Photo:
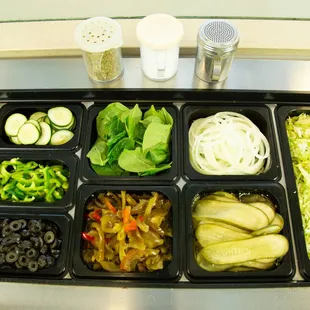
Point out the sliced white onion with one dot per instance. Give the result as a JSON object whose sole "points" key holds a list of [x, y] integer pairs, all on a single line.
{"points": [[228, 143]]}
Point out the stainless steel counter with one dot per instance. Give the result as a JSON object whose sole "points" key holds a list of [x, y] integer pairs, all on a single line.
{"points": [[65, 73]]}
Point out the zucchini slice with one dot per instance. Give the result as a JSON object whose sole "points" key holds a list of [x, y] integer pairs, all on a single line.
{"points": [[61, 137], [46, 133], [15, 140], [60, 116], [28, 134], [13, 124], [37, 115], [35, 123]]}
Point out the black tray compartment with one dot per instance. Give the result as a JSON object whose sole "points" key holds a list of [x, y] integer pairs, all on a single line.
{"points": [[260, 115], [27, 109], [79, 269], [50, 158], [60, 269], [170, 176], [194, 273]]}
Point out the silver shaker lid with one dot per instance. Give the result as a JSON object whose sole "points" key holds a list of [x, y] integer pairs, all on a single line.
{"points": [[218, 36]]}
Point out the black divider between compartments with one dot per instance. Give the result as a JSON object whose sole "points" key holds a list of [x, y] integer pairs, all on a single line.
{"points": [[170, 176], [282, 113], [172, 271], [260, 115], [60, 269], [63, 205], [194, 273], [27, 109]]}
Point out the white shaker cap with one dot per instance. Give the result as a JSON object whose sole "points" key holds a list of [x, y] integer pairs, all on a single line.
{"points": [[159, 31], [98, 34]]}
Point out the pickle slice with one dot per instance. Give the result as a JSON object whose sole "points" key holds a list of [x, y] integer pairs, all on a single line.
{"points": [[233, 252], [266, 208], [271, 229]]}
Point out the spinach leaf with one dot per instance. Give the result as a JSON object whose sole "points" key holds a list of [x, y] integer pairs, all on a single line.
{"points": [[116, 139], [162, 114], [134, 161], [116, 127], [105, 117], [98, 153], [139, 133], [160, 153], [155, 170], [165, 117], [109, 170], [155, 134], [151, 119], [125, 143], [132, 120]]}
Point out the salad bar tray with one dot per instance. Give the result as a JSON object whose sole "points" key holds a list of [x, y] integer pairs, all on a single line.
{"points": [[148, 192]]}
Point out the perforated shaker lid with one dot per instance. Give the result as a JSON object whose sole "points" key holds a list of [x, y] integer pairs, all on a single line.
{"points": [[159, 31], [98, 34]]}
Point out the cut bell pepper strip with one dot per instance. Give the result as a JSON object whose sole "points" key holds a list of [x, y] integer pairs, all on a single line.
{"points": [[130, 226], [95, 216], [123, 196], [100, 242], [126, 214], [87, 237], [109, 205]]}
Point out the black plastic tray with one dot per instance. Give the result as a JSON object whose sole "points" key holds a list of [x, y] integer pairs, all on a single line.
{"points": [[194, 273], [282, 113], [168, 176], [260, 115], [60, 269], [29, 108], [49, 157], [171, 272]]}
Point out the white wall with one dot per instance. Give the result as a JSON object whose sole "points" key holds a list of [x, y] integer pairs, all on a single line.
{"points": [[64, 9]]}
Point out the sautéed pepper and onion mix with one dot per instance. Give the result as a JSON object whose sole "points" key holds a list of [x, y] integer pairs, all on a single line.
{"points": [[128, 232]]}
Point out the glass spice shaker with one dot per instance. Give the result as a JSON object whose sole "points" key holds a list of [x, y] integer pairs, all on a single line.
{"points": [[100, 39]]}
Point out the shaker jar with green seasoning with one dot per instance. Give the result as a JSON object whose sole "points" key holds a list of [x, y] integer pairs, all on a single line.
{"points": [[100, 39]]}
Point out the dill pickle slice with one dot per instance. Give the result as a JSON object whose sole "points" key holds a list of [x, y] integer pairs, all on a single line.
{"points": [[271, 229], [233, 252], [278, 220], [266, 208], [197, 222], [233, 213], [208, 234]]}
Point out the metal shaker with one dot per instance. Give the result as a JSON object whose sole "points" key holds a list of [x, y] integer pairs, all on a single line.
{"points": [[217, 41]]}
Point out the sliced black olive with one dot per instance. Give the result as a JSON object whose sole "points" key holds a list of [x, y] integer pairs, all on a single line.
{"points": [[18, 265], [50, 261], [15, 237], [36, 227], [23, 223], [23, 261], [35, 241], [4, 223], [13, 247], [2, 258], [11, 257], [33, 266], [55, 253], [32, 253], [42, 261], [25, 233], [6, 231], [44, 249], [15, 225], [31, 223], [8, 240], [49, 237], [4, 248], [56, 244], [41, 242], [26, 244]]}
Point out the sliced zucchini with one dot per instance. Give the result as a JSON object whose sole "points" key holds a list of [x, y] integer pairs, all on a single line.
{"points": [[37, 115], [35, 123], [60, 116], [47, 120], [15, 140], [13, 124], [46, 133], [61, 137], [28, 134], [68, 127]]}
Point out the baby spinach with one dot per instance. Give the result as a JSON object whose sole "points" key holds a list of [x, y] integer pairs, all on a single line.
{"points": [[130, 142], [98, 153], [134, 161]]}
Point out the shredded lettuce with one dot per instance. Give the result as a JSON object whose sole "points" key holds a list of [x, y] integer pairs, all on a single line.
{"points": [[298, 131]]}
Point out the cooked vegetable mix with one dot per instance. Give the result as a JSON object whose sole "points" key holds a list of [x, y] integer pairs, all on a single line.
{"points": [[31, 181], [228, 143], [29, 244], [54, 127], [237, 232], [128, 232], [129, 142], [299, 141]]}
